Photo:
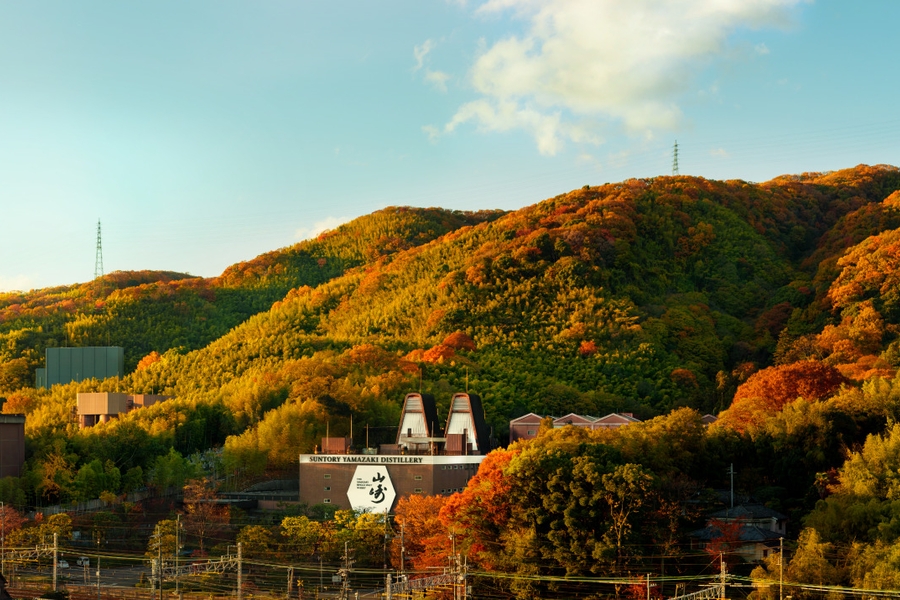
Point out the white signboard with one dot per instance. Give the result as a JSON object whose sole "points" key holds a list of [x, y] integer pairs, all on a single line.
{"points": [[371, 489]]}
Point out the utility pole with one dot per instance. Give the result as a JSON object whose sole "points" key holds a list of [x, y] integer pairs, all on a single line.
{"points": [[731, 473], [454, 566], [385, 551], [345, 573], [402, 552], [55, 557], [780, 568], [465, 580], [240, 574], [2, 539], [722, 560], [177, 550], [159, 565], [98, 578]]}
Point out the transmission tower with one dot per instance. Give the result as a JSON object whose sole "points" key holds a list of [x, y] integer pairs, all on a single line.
{"points": [[675, 159], [98, 261]]}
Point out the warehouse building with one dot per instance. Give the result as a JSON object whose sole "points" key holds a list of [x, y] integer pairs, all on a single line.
{"points": [[100, 407], [12, 445], [64, 365]]}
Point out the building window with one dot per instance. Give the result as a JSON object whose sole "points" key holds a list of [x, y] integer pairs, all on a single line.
{"points": [[532, 432], [418, 478], [418, 490], [326, 501], [327, 475], [327, 488]]}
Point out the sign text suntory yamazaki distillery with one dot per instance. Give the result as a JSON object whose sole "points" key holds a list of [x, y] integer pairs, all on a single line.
{"points": [[387, 459]]}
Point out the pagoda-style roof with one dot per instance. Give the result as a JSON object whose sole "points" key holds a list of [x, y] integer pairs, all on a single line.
{"points": [[418, 420]]}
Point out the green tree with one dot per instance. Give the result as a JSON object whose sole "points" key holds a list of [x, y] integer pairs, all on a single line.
{"points": [[162, 540], [301, 535], [256, 541], [625, 491], [810, 563]]}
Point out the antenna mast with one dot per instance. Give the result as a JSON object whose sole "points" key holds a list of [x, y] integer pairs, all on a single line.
{"points": [[98, 260], [675, 159]]}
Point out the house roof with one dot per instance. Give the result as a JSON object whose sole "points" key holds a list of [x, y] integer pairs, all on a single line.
{"points": [[618, 418], [529, 418], [749, 512], [573, 418], [749, 533]]}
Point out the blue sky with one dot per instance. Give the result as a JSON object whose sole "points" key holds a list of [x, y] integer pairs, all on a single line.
{"points": [[205, 133]]}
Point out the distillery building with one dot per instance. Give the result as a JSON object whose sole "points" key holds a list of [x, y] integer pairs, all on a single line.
{"points": [[425, 459]]}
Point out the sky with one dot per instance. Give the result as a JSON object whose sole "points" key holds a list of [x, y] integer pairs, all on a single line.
{"points": [[204, 133]]}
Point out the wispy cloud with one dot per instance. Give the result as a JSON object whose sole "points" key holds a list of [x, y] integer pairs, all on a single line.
{"points": [[438, 79], [600, 59], [421, 51], [719, 153], [308, 233], [432, 132]]}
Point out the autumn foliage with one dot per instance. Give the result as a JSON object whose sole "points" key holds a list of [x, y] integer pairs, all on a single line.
{"points": [[768, 391], [459, 341], [727, 539], [421, 538], [481, 511]]}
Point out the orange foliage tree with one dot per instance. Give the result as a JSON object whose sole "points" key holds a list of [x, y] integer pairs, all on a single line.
{"points": [[767, 391], [459, 341], [479, 514], [424, 542], [148, 360]]}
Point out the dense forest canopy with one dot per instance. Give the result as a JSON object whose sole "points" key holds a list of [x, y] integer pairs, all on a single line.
{"points": [[773, 305]]}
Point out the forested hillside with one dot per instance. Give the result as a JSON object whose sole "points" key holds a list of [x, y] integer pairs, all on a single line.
{"points": [[646, 296], [157, 311]]}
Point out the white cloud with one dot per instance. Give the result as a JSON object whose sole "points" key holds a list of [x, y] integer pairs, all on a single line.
{"points": [[607, 59], [421, 51], [437, 78], [761, 49], [502, 115], [308, 233], [719, 153]]}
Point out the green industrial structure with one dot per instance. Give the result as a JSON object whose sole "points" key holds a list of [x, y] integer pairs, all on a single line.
{"points": [[64, 365]]}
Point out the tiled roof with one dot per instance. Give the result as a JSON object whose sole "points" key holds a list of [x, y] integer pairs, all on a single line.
{"points": [[749, 533], [749, 512]]}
